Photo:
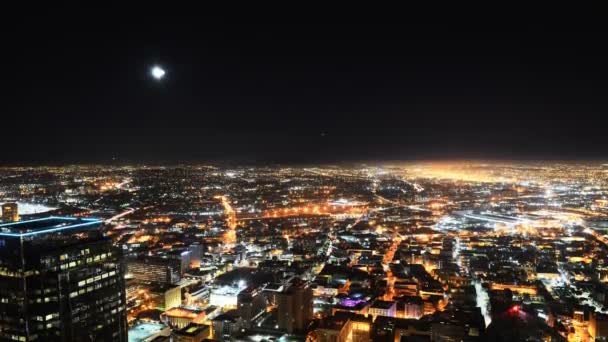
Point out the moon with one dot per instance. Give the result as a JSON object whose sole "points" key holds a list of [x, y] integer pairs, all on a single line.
{"points": [[157, 72]]}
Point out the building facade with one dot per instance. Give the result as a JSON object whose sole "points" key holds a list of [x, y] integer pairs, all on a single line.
{"points": [[294, 306], [60, 280], [154, 270], [10, 212]]}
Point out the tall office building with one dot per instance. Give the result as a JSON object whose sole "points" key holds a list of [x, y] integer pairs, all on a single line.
{"points": [[196, 252], [10, 212], [154, 269], [294, 305], [250, 303], [60, 280]]}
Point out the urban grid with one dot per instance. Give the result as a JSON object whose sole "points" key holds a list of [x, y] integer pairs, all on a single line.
{"points": [[454, 251]]}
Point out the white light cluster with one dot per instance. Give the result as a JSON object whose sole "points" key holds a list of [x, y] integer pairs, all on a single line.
{"points": [[157, 72]]}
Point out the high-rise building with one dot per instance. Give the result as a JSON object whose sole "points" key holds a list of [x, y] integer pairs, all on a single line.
{"points": [[10, 212], [154, 269], [61, 279], [167, 267], [294, 305], [196, 251], [250, 303]]}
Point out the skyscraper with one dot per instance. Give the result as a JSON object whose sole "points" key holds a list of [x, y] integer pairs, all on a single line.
{"points": [[154, 269], [60, 280], [295, 306], [10, 212]]}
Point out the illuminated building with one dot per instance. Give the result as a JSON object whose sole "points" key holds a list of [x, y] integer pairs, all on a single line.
{"points": [[225, 296], [344, 326], [523, 289], [61, 277], [167, 296], [353, 304], [196, 250], [383, 308], [184, 259], [321, 291], [413, 307], [148, 331], [181, 316], [154, 269], [10, 212]]}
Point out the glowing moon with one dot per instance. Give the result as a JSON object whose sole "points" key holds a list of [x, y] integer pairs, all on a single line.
{"points": [[157, 72]]}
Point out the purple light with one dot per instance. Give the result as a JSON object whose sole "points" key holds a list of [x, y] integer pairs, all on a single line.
{"points": [[351, 303]]}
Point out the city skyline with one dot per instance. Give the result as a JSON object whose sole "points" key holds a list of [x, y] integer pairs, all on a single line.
{"points": [[292, 177], [474, 251]]}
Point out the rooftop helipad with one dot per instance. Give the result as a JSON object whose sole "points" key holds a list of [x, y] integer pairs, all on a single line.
{"points": [[45, 225]]}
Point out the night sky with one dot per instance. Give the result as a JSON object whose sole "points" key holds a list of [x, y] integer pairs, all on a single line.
{"points": [[301, 90]]}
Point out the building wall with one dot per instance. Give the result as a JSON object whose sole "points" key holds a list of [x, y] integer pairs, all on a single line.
{"points": [[413, 311], [598, 326], [250, 305], [332, 335], [173, 297], [360, 331], [151, 271], [294, 308], [67, 288], [390, 312], [222, 329]]}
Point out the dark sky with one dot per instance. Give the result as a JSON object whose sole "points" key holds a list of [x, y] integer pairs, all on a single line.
{"points": [[301, 89]]}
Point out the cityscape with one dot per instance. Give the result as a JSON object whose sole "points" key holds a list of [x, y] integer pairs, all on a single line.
{"points": [[284, 175], [412, 251]]}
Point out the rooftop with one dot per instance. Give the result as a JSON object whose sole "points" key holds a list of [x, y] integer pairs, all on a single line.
{"points": [[192, 329], [144, 330], [382, 304], [182, 312], [46, 225], [226, 290]]}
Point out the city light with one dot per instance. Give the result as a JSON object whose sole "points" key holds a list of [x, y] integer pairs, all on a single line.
{"points": [[263, 243], [332, 178]]}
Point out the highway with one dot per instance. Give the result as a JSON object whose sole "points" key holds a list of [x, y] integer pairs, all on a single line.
{"points": [[124, 213], [230, 236]]}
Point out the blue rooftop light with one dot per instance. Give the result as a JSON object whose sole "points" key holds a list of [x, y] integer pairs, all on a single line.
{"points": [[83, 222]]}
